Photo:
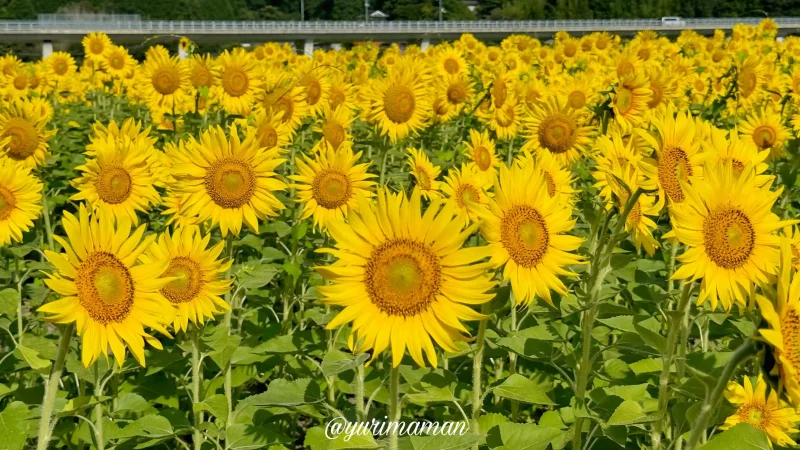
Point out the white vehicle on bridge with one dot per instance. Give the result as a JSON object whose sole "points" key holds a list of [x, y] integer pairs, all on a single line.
{"points": [[672, 21]]}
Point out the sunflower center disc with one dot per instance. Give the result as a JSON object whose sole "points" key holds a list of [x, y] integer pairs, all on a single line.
{"points": [[235, 82], [451, 66], [201, 77], [729, 238], [24, 138], [166, 80], [105, 287], [117, 62], [331, 189], [482, 158], [748, 81], [499, 93], [334, 133], [399, 103], [230, 183], [764, 137], [269, 136], [468, 194], [505, 117], [524, 235], [7, 203], [61, 67], [423, 179], [624, 100], [658, 93], [336, 98], [97, 47], [402, 277], [114, 185], [674, 167], [313, 91], [187, 283], [557, 133], [20, 82], [550, 183], [577, 100], [456, 94]]}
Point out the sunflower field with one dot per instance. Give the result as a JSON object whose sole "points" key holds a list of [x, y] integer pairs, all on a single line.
{"points": [[588, 243]]}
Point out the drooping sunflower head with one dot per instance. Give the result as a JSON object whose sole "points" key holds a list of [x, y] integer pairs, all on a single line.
{"points": [[403, 277], [424, 172], [465, 190], [559, 129], [765, 128], [20, 200], [623, 183], [96, 45], [23, 133], [105, 288], [332, 184]]}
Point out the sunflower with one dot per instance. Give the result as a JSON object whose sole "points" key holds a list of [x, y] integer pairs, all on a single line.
{"points": [[118, 62], [630, 99], [400, 103], [766, 131], [726, 223], [168, 80], [679, 156], [238, 81], [578, 92], [750, 78], [203, 69], [506, 120], [663, 87], [342, 92], [20, 200], [465, 191], [229, 181], [766, 412], [316, 85], [331, 185], [450, 61], [740, 152], [23, 133], [480, 150], [403, 277], [118, 179], [458, 90], [614, 150], [559, 129], [557, 179], [334, 127], [425, 173], [197, 275], [623, 183], [524, 227], [96, 45], [106, 289], [283, 96], [270, 130]]}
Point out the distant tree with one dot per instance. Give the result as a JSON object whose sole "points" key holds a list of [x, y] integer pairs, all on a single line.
{"points": [[347, 10], [456, 10], [19, 9]]}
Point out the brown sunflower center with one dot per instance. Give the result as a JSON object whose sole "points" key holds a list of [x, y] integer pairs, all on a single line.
{"points": [[557, 133], [747, 82], [20, 82], [423, 179], [623, 100], [550, 182], [790, 329], [399, 103], [60, 67], [235, 82], [765, 136], [113, 185], [230, 182], [499, 93], [505, 117], [441, 107], [755, 413], [729, 238], [402, 277], [456, 93], [336, 97], [313, 90], [24, 138], [201, 76], [658, 94], [625, 68], [334, 133], [467, 194], [117, 61], [482, 158], [7, 203], [166, 80], [673, 167], [570, 49], [97, 47], [105, 287], [331, 188], [576, 100], [451, 66], [524, 235], [188, 280], [269, 136]]}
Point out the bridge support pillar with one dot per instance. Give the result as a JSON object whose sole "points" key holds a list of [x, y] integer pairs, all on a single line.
{"points": [[426, 42], [336, 46], [308, 47], [47, 49], [182, 54]]}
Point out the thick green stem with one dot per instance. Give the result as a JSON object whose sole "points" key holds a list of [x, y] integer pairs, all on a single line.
{"points": [[510, 155], [100, 441], [394, 406], [48, 228], [512, 357], [382, 179], [227, 385], [663, 382], [477, 368], [46, 423], [360, 392], [197, 436], [587, 323], [746, 350]]}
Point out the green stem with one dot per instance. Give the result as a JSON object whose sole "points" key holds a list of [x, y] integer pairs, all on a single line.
{"points": [[360, 392], [663, 385], [197, 436], [672, 258], [477, 368], [512, 357], [394, 406], [510, 156], [382, 179], [100, 442], [228, 315], [19, 282], [746, 350], [46, 424], [47, 226]]}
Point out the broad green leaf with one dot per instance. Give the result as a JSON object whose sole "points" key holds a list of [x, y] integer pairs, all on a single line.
{"points": [[519, 387], [316, 438], [518, 436], [280, 344], [9, 301], [150, 426], [248, 437], [551, 419], [33, 359], [336, 361], [282, 392], [14, 425], [651, 365], [636, 392], [444, 442], [652, 338], [76, 404], [630, 412], [624, 323], [216, 404], [131, 402], [742, 436]]}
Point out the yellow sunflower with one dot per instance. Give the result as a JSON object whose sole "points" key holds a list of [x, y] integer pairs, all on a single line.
{"points": [[404, 277], [630, 99], [480, 150], [425, 173], [313, 79], [400, 102], [623, 183], [168, 81], [766, 131], [559, 129], [334, 127], [766, 412], [451, 62], [465, 191], [331, 185], [283, 96], [197, 273], [614, 150], [238, 81], [106, 289], [20, 200], [727, 225], [23, 133], [203, 70], [270, 130], [118, 62], [525, 230], [229, 181], [458, 90], [740, 152], [118, 179], [557, 179], [96, 45], [505, 121]]}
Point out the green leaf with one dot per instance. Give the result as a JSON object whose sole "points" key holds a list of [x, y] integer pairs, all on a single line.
{"points": [[630, 412], [280, 344], [247, 437], [316, 439], [131, 402], [444, 442], [518, 436], [282, 392], [31, 357], [216, 404], [636, 392], [651, 338], [651, 365], [76, 404], [9, 302], [624, 323], [336, 361], [14, 425], [742, 436], [520, 388], [151, 426]]}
